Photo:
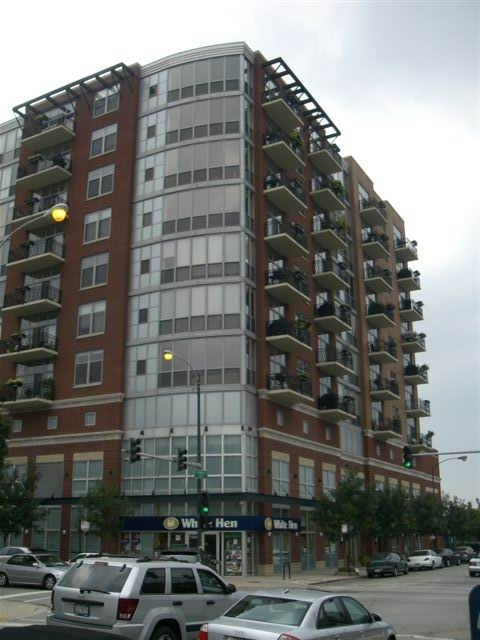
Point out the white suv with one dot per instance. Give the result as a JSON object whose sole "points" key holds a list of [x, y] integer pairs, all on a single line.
{"points": [[140, 599], [474, 566]]}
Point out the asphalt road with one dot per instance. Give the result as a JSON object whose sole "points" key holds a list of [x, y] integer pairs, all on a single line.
{"points": [[429, 605]]}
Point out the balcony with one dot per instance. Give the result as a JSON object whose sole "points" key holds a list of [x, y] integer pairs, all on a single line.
{"points": [[31, 300], [30, 214], [333, 361], [328, 194], [34, 256], [330, 275], [413, 342], [410, 311], [325, 156], [328, 235], [333, 408], [42, 172], [333, 318], [380, 315], [16, 396], [377, 280], [284, 150], [372, 212], [31, 346], [408, 280], [382, 351], [414, 374], [375, 244], [287, 286], [418, 409], [289, 337], [44, 132], [390, 429], [282, 108], [288, 390], [384, 389], [405, 250], [286, 194], [285, 238], [421, 443]]}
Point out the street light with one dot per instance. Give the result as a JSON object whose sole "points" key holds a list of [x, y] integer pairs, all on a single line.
{"points": [[437, 465], [168, 356], [58, 213]]}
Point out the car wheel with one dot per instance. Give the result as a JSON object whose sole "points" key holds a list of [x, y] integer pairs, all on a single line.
{"points": [[394, 572], [432, 566], [3, 580], [49, 582], [447, 562], [164, 632], [405, 571]]}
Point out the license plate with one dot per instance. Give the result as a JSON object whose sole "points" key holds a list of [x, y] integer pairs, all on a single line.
{"points": [[81, 610], [378, 571]]}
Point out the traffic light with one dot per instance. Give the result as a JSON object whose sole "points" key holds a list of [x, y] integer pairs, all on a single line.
{"points": [[407, 457], [135, 449], [181, 459], [204, 506]]}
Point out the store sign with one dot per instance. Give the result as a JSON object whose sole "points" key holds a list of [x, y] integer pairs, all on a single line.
{"points": [[215, 523]]}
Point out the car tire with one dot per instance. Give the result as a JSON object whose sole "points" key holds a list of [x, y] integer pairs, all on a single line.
{"points": [[394, 572], [164, 632], [447, 562], [432, 566], [405, 571], [3, 580], [49, 582]]}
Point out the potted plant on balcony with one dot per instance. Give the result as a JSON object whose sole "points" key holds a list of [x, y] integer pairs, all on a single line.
{"points": [[295, 139], [337, 187], [47, 386], [411, 369], [14, 382]]}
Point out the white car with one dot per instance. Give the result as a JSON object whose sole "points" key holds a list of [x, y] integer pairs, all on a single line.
{"points": [[474, 566], [424, 559]]}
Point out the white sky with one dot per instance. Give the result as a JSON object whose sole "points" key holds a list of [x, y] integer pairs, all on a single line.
{"points": [[401, 81]]}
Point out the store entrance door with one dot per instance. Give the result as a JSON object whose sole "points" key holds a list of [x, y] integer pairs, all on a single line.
{"points": [[211, 546]]}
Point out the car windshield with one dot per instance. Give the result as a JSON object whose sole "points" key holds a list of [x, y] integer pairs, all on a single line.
{"points": [[269, 609], [51, 561]]}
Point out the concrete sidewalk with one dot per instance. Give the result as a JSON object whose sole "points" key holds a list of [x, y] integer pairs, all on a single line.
{"points": [[305, 579]]}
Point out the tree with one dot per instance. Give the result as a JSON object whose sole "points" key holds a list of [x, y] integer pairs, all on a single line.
{"points": [[4, 435], [105, 510], [18, 508]]}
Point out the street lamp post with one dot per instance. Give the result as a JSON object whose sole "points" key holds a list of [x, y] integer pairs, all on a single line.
{"points": [[437, 465], [58, 213], [168, 356]]}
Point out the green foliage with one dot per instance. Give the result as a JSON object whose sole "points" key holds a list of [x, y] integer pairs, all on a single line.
{"points": [[18, 507], [4, 435], [105, 510]]}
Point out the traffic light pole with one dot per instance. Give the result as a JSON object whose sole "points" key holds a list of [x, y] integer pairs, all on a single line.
{"points": [[199, 461]]}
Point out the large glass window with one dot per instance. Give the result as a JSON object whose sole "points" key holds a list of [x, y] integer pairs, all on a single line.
{"points": [[103, 140], [280, 475], [97, 225], [88, 368], [86, 474], [91, 318], [100, 181], [105, 101], [94, 270]]}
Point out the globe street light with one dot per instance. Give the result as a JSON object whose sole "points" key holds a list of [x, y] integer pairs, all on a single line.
{"points": [[168, 356], [58, 213], [437, 465]]}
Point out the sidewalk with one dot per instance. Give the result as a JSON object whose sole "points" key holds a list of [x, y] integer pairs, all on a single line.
{"points": [[313, 579]]}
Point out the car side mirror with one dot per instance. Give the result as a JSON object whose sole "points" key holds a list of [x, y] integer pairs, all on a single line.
{"points": [[376, 617], [35, 564], [231, 588]]}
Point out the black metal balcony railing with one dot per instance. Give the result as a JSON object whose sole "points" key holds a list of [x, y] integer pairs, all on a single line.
{"points": [[279, 179], [275, 227], [324, 182], [384, 384], [331, 309], [370, 236], [37, 205], [282, 276], [13, 392], [424, 439], [374, 308], [281, 327], [412, 369], [365, 203], [334, 401], [377, 272], [383, 345], [413, 336], [300, 384], [45, 123], [331, 354], [32, 293], [320, 223], [389, 424], [319, 145], [405, 243], [294, 142], [321, 265], [30, 249], [418, 405], [30, 339], [274, 93], [407, 304], [408, 273], [42, 164]]}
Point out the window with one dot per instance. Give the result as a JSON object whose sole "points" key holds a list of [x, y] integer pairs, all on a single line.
{"points": [[210, 583], [145, 266], [90, 419], [103, 140], [154, 581], [52, 422], [94, 270], [141, 367], [91, 318], [100, 181], [97, 225], [16, 425], [88, 367], [280, 477], [183, 581], [142, 316], [306, 481], [105, 101], [86, 474]]}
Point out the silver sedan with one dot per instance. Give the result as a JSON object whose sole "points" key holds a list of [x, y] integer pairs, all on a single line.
{"points": [[43, 570], [304, 614]]}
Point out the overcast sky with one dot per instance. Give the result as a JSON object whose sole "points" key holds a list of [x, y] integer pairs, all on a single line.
{"points": [[401, 81]]}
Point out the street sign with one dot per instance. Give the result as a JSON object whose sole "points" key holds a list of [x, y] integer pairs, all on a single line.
{"points": [[200, 473]]}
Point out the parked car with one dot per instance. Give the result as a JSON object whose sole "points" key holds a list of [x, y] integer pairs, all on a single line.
{"points": [[6, 552], [449, 557], [424, 559], [303, 614], [474, 566], [465, 553], [42, 570], [92, 554], [386, 564], [189, 554], [137, 598]]}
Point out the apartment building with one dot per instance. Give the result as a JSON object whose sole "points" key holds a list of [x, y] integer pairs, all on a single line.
{"points": [[211, 215]]}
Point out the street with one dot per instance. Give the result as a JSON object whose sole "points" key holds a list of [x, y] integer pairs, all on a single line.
{"points": [[425, 604]]}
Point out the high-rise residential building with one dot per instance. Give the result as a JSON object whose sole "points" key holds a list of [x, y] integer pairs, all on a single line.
{"points": [[212, 216]]}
